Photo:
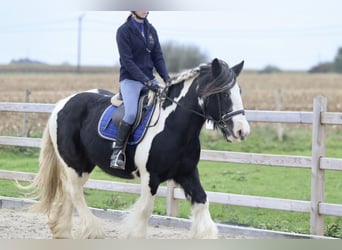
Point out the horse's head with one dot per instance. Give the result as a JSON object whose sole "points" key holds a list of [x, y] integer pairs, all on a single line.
{"points": [[221, 99]]}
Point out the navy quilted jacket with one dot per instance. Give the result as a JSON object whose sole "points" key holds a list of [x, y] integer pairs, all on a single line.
{"points": [[138, 54]]}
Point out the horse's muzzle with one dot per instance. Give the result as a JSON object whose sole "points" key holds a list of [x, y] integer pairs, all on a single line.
{"points": [[239, 130]]}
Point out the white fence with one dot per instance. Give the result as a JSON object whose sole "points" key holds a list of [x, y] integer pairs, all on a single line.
{"points": [[318, 163]]}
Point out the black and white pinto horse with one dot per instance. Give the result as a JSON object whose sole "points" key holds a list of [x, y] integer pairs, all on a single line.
{"points": [[170, 150]]}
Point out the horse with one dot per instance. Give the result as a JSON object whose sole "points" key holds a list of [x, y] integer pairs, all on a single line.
{"points": [[170, 150]]}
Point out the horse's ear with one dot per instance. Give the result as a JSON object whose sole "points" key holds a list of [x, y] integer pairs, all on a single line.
{"points": [[215, 67], [237, 68]]}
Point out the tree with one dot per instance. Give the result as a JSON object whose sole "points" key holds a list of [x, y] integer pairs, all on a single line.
{"points": [[326, 67], [179, 57], [270, 69], [338, 61]]}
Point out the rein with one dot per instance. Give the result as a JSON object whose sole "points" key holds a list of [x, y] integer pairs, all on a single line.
{"points": [[162, 95], [223, 118]]}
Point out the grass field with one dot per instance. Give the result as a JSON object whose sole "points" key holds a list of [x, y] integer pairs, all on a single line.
{"points": [[230, 178], [297, 92]]}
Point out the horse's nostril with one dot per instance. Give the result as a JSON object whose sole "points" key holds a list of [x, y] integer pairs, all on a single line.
{"points": [[241, 134]]}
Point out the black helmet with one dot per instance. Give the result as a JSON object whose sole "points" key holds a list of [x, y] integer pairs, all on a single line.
{"points": [[137, 16]]}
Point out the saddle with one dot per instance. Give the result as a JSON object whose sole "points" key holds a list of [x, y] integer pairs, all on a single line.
{"points": [[113, 114]]}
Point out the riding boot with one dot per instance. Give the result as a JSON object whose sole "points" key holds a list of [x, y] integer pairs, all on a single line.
{"points": [[118, 157]]}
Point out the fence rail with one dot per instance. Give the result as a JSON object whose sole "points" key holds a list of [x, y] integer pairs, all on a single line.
{"points": [[318, 163]]}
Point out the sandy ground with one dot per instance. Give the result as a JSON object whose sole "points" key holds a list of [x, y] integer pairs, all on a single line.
{"points": [[21, 224]]}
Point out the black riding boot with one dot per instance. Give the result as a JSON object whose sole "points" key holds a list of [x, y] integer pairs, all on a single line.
{"points": [[118, 158]]}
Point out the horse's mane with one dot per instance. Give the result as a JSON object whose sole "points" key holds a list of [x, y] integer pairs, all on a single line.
{"points": [[210, 86], [186, 75]]}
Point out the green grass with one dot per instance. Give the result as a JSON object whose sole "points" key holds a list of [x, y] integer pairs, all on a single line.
{"points": [[288, 183]]}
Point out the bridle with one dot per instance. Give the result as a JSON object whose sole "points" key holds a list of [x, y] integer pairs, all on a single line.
{"points": [[224, 118]]}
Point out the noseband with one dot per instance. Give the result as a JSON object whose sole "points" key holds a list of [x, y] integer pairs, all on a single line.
{"points": [[228, 116]]}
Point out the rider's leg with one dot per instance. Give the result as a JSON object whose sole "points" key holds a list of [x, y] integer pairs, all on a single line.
{"points": [[130, 91]]}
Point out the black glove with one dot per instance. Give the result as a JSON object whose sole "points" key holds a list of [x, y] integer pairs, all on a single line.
{"points": [[151, 86], [168, 81]]}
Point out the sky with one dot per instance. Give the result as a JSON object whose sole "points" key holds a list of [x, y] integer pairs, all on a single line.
{"points": [[291, 35]]}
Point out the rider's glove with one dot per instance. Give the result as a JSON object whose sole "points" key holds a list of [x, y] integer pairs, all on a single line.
{"points": [[151, 86]]}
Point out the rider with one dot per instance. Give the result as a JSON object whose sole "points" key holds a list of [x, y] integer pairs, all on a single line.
{"points": [[140, 52]]}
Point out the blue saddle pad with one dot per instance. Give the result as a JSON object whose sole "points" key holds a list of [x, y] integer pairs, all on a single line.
{"points": [[108, 130]]}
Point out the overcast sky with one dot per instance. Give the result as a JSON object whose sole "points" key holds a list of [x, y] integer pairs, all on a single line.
{"points": [[292, 34]]}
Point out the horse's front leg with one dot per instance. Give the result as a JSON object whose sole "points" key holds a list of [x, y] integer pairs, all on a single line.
{"points": [[203, 227], [135, 223]]}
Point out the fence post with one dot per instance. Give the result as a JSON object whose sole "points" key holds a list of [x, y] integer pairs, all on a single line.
{"points": [[277, 96], [25, 132], [171, 202], [317, 174]]}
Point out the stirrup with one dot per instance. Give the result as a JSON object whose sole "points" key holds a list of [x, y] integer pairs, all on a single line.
{"points": [[117, 163]]}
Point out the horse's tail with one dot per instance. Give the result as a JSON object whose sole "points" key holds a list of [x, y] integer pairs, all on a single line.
{"points": [[47, 185]]}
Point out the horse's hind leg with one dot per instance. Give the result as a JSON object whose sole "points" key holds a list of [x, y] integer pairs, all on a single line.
{"points": [[60, 218], [91, 226]]}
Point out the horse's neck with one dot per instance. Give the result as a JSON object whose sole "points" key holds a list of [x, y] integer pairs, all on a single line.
{"points": [[188, 108]]}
